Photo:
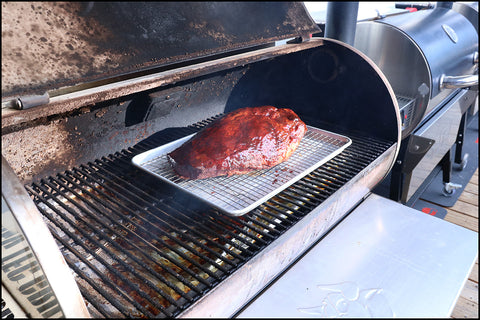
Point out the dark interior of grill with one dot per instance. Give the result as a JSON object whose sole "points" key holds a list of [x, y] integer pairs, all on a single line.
{"points": [[141, 248]]}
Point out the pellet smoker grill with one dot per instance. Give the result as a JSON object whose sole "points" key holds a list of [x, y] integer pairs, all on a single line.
{"points": [[88, 86], [430, 57]]}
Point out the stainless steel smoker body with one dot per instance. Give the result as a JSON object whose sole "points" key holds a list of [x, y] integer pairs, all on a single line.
{"points": [[431, 60], [87, 86]]}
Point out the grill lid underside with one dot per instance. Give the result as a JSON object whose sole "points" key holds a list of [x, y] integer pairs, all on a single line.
{"points": [[59, 44]]}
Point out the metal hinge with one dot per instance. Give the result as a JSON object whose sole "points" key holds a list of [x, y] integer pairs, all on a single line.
{"points": [[300, 39], [26, 102]]}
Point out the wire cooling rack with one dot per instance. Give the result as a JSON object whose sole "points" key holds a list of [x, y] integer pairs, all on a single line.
{"points": [[238, 194]]}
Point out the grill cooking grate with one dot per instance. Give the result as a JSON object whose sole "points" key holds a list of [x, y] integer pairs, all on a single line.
{"points": [[140, 248]]}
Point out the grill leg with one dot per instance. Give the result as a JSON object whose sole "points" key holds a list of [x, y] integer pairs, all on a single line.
{"points": [[448, 186], [446, 164], [459, 143], [399, 184]]}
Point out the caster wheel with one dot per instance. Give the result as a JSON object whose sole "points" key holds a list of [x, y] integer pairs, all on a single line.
{"points": [[448, 192], [449, 188]]}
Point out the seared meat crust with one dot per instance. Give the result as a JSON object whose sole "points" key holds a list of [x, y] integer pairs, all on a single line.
{"points": [[241, 141]]}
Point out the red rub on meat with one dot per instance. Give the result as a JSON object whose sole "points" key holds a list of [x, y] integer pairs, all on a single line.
{"points": [[241, 141]]}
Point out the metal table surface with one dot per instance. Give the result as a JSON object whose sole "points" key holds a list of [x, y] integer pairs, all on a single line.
{"points": [[383, 260]]}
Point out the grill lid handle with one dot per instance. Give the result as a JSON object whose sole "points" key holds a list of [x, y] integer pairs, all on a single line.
{"points": [[454, 82]]}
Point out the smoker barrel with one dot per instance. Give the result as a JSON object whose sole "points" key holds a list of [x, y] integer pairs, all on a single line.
{"points": [[431, 59]]}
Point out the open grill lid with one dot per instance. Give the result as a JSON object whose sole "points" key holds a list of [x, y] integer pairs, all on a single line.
{"points": [[51, 45]]}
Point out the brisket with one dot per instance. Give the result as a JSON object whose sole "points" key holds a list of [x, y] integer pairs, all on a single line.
{"points": [[241, 141]]}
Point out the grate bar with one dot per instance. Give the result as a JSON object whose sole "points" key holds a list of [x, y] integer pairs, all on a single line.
{"points": [[334, 175], [326, 178], [317, 184], [202, 225], [107, 250], [83, 245], [174, 239], [260, 231], [240, 226], [205, 236], [269, 220], [94, 285], [142, 239], [262, 227], [285, 217], [153, 199], [288, 203], [178, 264], [289, 196], [157, 229], [267, 206], [181, 254], [217, 227], [116, 233]]}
